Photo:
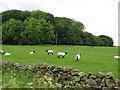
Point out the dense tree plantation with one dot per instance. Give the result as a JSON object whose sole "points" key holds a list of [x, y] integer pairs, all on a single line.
{"points": [[38, 27]]}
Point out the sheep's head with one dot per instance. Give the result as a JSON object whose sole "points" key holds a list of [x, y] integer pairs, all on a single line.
{"points": [[34, 51], [46, 50], [1, 52], [66, 53]]}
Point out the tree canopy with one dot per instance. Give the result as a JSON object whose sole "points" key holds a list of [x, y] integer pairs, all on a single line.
{"points": [[38, 27]]}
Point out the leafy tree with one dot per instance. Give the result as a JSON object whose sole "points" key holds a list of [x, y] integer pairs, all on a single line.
{"points": [[87, 38], [6, 15], [67, 29], [40, 14], [11, 31], [77, 32], [16, 14], [38, 27], [37, 32], [49, 18], [100, 42], [106, 40], [25, 14], [47, 33]]}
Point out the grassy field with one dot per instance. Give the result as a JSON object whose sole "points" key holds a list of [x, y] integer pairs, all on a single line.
{"points": [[93, 59]]}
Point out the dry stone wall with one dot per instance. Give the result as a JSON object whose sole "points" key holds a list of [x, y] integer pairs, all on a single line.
{"points": [[69, 76]]}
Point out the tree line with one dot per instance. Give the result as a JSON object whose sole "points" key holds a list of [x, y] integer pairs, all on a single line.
{"points": [[38, 27]]}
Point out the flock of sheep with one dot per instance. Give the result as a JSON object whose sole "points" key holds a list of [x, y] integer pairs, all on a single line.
{"points": [[60, 54]]}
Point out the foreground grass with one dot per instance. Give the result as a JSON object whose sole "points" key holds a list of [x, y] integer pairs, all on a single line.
{"points": [[93, 59], [22, 79]]}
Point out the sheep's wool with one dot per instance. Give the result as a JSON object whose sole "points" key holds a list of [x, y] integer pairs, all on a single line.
{"points": [[50, 51], [6, 54], [77, 57], [117, 57], [61, 54], [31, 53], [1, 51]]}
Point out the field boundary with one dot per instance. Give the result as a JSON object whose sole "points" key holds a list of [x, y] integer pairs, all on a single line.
{"points": [[64, 75]]}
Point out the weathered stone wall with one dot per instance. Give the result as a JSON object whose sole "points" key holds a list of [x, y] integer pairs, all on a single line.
{"points": [[65, 75]]}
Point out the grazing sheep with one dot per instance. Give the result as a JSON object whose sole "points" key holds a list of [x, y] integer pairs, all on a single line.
{"points": [[61, 54], [49, 51], [117, 57], [1, 52], [77, 57], [7, 54], [33, 52]]}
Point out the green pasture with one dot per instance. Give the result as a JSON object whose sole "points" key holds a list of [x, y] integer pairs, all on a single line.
{"points": [[93, 59]]}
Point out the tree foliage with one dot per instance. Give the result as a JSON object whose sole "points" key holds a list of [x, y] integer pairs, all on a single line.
{"points": [[16, 14], [37, 32], [38, 27], [68, 31], [106, 40], [11, 31]]}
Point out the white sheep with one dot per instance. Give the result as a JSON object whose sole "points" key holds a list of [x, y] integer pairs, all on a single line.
{"points": [[7, 54], [49, 51], [117, 57], [61, 54], [77, 57], [33, 52], [1, 52]]}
